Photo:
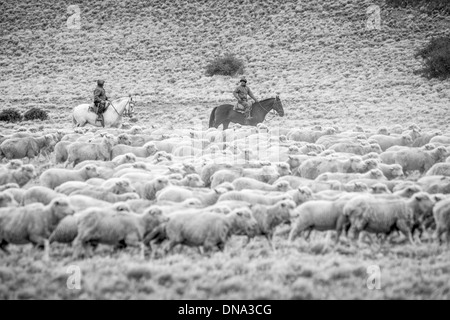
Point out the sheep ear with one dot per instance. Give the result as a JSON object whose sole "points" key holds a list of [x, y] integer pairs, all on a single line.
{"points": [[239, 213]]}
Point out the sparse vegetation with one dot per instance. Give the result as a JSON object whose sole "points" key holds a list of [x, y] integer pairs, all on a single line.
{"points": [[10, 115], [436, 56], [35, 114], [430, 6], [315, 53], [228, 65]]}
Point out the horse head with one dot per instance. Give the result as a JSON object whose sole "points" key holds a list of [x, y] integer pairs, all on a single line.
{"points": [[129, 108], [278, 106]]}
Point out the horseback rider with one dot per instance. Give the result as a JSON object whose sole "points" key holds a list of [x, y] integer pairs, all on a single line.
{"points": [[100, 99], [241, 93]]}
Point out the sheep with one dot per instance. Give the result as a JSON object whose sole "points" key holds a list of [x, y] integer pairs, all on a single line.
{"points": [[179, 194], [407, 190], [29, 147], [294, 161], [248, 183], [443, 140], [67, 230], [252, 198], [206, 229], [313, 167], [269, 217], [267, 174], [53, 178], [435, 184], [80, 151], [11, 165], [191, 180], [61, 153], [9, 186], [116, 186], [355, 186], [107, 196], [32, 224], [391, 171], [374, 215], [441, 214], [380, 188], [169, 207], [321, 215], [225, 175], [310, 136], [7, 200], [415, 159], [210, 169], [356, 148], [386, 142], [40, 194], [375, 174], [20, 176], [425, 138], [118, 230], [148, 190], [439, 169], [149, 149]]}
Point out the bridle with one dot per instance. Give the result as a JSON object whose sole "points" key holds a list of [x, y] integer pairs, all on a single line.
{"points": [[127, 112], [271, 108]]}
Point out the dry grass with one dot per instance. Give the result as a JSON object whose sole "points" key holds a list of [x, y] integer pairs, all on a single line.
{"points": [[317, 55]]}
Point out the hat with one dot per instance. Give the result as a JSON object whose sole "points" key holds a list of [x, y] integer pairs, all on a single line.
{"points": [[243, 80], [100, 82]]}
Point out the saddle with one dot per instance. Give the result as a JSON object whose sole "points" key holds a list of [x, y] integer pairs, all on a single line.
{"points": [[240, 108], [99, 112]]}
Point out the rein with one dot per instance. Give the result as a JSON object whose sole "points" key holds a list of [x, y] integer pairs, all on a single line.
{"points": [[125, 113], [267, 111]]}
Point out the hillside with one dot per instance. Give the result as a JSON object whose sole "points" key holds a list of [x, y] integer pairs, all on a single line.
{"points": [[317, 54]]}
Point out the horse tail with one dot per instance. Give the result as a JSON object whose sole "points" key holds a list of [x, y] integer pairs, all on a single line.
{"points": [[212, 118]]}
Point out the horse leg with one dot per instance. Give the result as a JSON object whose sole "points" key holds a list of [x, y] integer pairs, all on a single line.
{"points": [[226, 123]]}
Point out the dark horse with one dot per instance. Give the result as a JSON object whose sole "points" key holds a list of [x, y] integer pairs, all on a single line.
{"points": [[225, 114]]}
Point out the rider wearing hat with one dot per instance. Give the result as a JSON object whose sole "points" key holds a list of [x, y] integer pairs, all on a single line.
{"points": [[100, 99], [241, 93]]}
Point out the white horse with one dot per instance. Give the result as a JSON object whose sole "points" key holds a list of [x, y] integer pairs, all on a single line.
{"points": [[112, 116]]}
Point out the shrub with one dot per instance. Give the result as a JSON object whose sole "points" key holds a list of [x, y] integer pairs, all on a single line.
{"points": [[429, 6], [227, 65], [10, 115], [35, 113], [436, 56]]}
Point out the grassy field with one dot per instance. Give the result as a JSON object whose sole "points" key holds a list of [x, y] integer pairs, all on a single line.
{"points": [[318, 55]]}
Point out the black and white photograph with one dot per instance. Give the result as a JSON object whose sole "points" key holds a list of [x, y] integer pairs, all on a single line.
{"points": [[240, 151]]}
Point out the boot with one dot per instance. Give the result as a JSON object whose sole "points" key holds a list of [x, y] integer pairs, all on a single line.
{"points": [[248, 117], [102, 120]]}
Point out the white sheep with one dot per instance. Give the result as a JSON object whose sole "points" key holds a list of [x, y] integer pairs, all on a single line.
{"points": [[32, 224], [375, 215], [118, 230], [81, 151], [180, 194], [206, 229], [39, 194], [147, 150], [269, 217], [7, 200], [441, 213], [20, 176], [319, 215], [54, 177], [67, 229]]}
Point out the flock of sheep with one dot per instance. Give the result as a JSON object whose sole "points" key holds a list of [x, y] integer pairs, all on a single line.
{"points": [[147, 187]]}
